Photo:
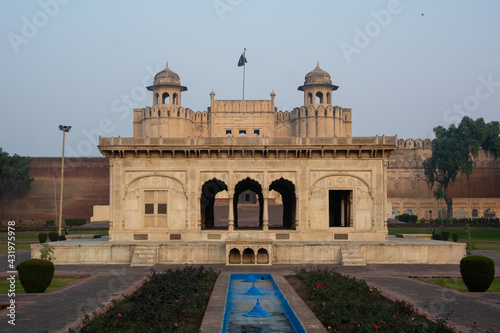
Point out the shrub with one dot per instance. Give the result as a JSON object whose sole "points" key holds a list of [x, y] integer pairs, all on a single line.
{"points": [[445, 235], [50, 223], [42, 237], [407, 218], [478, 272], [62, 238], [75, 222], [437, 237], [454, 236], [53, 236], [35, 275], [46, 252]]}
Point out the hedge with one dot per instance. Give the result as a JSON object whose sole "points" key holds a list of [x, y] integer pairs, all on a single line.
{"points": [[75, 222]]}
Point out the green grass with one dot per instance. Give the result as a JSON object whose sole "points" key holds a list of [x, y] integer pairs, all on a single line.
{"points": [[56, 283], [478, 233], [32, 236], [458, 284]]}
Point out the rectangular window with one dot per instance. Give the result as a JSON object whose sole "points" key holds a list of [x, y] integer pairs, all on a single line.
{"points": [[228, 133], [243, 133], [256, 132], [149, 208], [162, 208], [340, 208]]}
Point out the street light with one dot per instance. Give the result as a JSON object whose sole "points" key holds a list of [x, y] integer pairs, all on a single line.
{"points": [[64, 129]]}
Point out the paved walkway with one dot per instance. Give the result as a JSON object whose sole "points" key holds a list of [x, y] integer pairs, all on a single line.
{"points": [[57, 310]]}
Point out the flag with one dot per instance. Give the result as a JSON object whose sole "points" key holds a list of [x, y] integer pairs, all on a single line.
{"points": [[242, 60]]}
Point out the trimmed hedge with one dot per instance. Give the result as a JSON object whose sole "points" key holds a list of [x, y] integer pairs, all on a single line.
{"points": [[478, 272], [454, 237], [53, 236], [35, 275], [75, 222], [42, 237], [62, 238], [437, 237], [445, 235], [407, 218], [50, 223], [480, 221]]}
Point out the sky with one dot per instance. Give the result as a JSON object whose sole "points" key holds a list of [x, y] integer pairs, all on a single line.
{"points": [[404, 67]]}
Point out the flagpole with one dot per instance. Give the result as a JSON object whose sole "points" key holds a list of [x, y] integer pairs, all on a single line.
{"points": [[244, 58]]}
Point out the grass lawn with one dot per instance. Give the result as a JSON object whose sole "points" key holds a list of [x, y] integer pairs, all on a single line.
{"points": [[478, 233], [458, 284], [32, 236], [56, 283]]}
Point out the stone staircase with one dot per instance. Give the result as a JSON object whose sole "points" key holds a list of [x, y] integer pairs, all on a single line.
{"points": [[352, 256], [144, 256]]}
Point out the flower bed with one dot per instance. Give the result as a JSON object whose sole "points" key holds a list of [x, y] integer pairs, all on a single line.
{"points": [[346, 304], [174, 300]]}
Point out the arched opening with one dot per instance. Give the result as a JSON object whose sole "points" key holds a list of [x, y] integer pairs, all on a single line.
{"points": [[213, 214], [234, 256], [410, 211], [329, 98], [287, 191], [475, 213], [248, 256], [165, 98], [395, 212], [319, 97], [460, 214], [262, 256], [249, 213], [309, 98], [489, 213], [442, 213], [175, 99], [156, 99]]}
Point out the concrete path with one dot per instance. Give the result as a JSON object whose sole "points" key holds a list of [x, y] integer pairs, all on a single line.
{"points": [[57, 310]]}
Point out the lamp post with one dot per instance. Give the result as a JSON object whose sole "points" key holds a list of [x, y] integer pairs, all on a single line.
{"points": [[64, 129]]}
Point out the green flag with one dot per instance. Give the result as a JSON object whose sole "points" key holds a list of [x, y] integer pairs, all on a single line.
{"points": [[242, 60]]}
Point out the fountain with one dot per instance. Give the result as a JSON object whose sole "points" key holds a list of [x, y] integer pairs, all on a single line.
{"points": [[254, 303]]}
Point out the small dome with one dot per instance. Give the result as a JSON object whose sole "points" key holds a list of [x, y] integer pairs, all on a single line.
{"points": [[318, 76], [167, 77]]}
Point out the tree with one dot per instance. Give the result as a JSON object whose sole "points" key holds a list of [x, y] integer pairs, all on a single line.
{"points": [[14, 177], [453, 153]]}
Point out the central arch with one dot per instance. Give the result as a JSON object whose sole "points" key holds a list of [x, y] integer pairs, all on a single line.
{"points": [[208, 192], [242, 186], [287, 191]]}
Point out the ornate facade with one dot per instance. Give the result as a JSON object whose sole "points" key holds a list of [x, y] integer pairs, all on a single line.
{"points": [[244, 183]]}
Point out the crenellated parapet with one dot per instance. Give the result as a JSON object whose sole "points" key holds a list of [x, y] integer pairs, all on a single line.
{"points": [[414, 143]]}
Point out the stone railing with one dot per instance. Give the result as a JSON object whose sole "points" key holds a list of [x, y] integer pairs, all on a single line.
{"points": [[249, 141]]}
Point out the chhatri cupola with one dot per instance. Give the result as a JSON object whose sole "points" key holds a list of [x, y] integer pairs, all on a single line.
{"points": [[167, 88], [318, 88]]}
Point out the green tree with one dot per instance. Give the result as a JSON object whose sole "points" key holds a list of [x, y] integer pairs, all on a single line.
{"points": [[14, 177], [453, 153]]}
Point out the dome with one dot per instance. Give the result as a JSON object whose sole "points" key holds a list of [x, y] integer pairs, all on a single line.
{"points": [[318, 76], [167, 77]]}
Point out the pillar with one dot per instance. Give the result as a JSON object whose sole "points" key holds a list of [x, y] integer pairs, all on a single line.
{"points": [[265, 213], [231, 214]]}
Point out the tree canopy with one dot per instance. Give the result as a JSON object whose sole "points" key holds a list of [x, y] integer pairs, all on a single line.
{"points": [[454, 150], [14, 177]]}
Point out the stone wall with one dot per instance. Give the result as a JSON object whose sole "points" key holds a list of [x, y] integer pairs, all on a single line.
{"points": [[86, 183]]}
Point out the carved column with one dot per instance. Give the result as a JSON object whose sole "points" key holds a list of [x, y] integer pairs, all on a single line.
{"points": [[231, 214], [265, 213]]}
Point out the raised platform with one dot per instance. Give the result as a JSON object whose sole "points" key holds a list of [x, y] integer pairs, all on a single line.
{"points": [[394, 251]]}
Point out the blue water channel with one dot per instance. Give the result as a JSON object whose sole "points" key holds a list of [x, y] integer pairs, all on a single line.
{"points": [[255, 304]]}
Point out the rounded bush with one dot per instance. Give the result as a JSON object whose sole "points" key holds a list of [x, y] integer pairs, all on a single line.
{"points": [[35, 275], [42, 237], [478, 272], [62, 238], [53, 236], [445, 235], [437, 237], [455, 237]]}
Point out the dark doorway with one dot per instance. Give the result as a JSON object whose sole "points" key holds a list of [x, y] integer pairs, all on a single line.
{"points": [[250, 218], [208, 192], [340, 208], [287, 191]]}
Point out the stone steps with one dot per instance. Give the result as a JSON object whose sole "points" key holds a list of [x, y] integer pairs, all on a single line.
{"points": [[352, 256], [144, 256]]}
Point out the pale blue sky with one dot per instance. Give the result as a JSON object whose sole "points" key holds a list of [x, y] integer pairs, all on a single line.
{"points": [[79, 62]]}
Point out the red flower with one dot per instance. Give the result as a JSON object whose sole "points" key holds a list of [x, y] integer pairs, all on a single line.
{"points": [[119, 315], [376, 327]]}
